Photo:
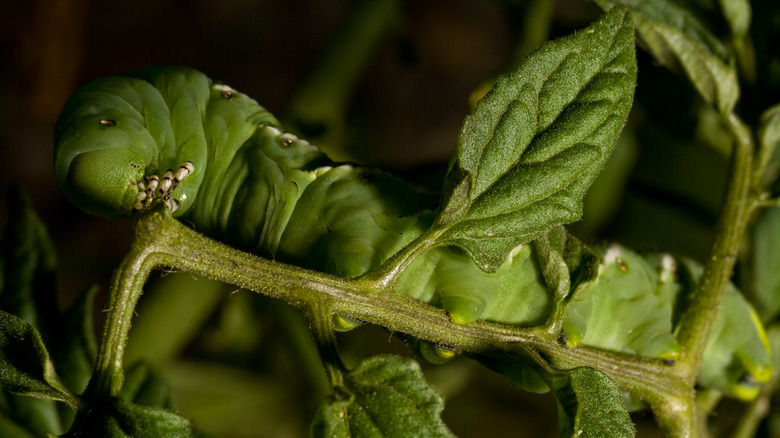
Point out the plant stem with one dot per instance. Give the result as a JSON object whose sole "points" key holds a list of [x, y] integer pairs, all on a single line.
{"points": [[386, 274], [320, 320], [126, 288], [318, 107], [160, 240], [700, 315]]}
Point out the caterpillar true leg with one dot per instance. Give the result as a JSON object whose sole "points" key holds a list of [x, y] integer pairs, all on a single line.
{"points": [[153, 189]]}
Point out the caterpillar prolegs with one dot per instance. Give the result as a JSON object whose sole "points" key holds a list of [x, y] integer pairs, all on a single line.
{"points": [[222, 163]]}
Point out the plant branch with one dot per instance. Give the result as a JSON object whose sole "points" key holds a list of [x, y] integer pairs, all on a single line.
{"points": [[700, 315], [161, 241], [320, 318], [126, 288]]}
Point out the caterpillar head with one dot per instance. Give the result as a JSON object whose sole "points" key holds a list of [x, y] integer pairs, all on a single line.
{"points": [[105, 182], [125, 142], [103, 147]]}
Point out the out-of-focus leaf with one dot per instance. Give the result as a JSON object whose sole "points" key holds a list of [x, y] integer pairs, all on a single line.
{"points": [[679, 41], [144, 386], [384, 396], [769, 140], [712, 131], [218, 397], [773, 423], [766, 263], [25, 366], [10, 428], [590, 405], [536, 142], [75, 353], [29, 289], [159, 335], [738, 14], [118, 418], [318, 108]]}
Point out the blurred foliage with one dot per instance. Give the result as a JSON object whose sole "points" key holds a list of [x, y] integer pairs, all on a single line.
{"points": [[229, 355]]}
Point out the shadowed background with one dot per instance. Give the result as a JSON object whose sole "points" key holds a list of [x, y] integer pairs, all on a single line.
{"points": [[401, 111]]}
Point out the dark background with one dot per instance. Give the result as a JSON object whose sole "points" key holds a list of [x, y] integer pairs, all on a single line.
{"points": [[411, 98], [407, 106]]}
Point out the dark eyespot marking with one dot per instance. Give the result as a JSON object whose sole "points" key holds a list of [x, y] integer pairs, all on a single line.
{"points": [[107, 122], [227, 94], [136, 165], [669, 362], [366, 178], [287, 142]]}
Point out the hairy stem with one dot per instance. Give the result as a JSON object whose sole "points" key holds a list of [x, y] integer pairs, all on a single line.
{"points": [[320, 317], [699, 317], [384, 276], [161, 241], [126, 288]]}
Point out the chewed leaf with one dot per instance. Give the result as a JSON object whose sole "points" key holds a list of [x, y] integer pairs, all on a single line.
{"points": [[534, 144], [384, 396], [25, 366]]}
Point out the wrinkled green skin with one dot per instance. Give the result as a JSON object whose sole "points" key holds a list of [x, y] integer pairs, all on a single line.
{"points": [[268, 192]]}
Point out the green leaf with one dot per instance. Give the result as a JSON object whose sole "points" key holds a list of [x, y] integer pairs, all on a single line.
{"points": [[144, 421], [738, 14], [590, 405], [679, 41], [564, 260], [766, 263], [157, 334], [25, 367], [75, 353], [769, 152], [144, 386], [549, 252], [384, 396], [10, 428], [318, 108], [536, 142], [119, 418], [29, 289]]}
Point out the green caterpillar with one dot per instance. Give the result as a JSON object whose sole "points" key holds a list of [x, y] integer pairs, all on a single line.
{"points": [[222, 163]]}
